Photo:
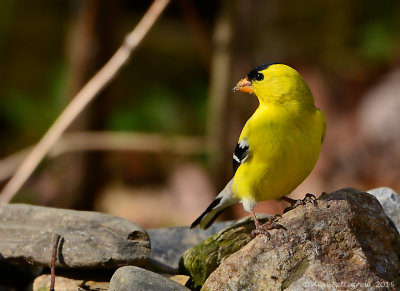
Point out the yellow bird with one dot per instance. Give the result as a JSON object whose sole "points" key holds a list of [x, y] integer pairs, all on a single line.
{"points": [[278, 147]]}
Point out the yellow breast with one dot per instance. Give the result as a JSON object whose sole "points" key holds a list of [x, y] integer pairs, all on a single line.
{"points": [[284, 147]]}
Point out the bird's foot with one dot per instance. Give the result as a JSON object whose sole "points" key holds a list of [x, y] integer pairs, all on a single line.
{"points": [[309, 198], [270, 224]]}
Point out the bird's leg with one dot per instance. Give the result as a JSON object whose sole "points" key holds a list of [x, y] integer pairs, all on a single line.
{"points": [[263, 228], [309, 198]]}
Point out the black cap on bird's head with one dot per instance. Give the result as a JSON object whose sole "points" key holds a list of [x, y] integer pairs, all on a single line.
{"points": [[277, 83], [245, 85], [255, 73]]}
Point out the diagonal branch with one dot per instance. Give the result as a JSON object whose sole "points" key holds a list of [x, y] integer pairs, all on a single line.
{"points": [[99, 81]]}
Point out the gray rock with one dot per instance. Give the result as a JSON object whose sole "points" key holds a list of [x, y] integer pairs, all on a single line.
{"points": [[88, 239], [390, 202], [168, 244], [133, 278], [345, 242]]}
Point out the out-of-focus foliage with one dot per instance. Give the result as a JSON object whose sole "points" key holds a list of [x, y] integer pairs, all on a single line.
{"points": [[157, 108], [166, 80], [32, 70]]}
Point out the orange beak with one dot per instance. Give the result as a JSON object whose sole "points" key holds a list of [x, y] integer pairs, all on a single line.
{"points": [[244, 85]]}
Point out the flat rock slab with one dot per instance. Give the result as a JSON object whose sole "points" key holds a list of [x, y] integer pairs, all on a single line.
{"points": [[88, 239], [345, 242], [133, 278]]}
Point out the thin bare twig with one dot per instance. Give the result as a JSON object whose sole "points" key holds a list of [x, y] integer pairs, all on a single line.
{"points": [[53, 262], [130, 141], [111, 141], [100, 80]]}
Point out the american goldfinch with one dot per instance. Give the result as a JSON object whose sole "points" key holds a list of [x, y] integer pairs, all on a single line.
{"points": [[278, 147]]}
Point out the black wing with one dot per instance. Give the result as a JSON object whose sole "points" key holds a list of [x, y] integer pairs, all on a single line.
{"points": [[241, 154]]}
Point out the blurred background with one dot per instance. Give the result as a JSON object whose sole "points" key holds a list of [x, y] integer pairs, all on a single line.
{"points": [[156, 145]]}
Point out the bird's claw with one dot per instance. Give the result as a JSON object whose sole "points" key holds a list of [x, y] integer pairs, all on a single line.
{"points": [[270, 224], [309, 198]]}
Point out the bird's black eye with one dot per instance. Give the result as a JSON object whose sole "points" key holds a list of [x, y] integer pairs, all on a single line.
{"points": [[259, 77]]}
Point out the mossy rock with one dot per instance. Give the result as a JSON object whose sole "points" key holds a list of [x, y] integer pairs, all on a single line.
{"points": [[201, 260]]}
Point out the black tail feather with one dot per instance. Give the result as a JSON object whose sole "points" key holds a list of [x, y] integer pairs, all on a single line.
{"points": [[209, 209], [213, 219]]}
